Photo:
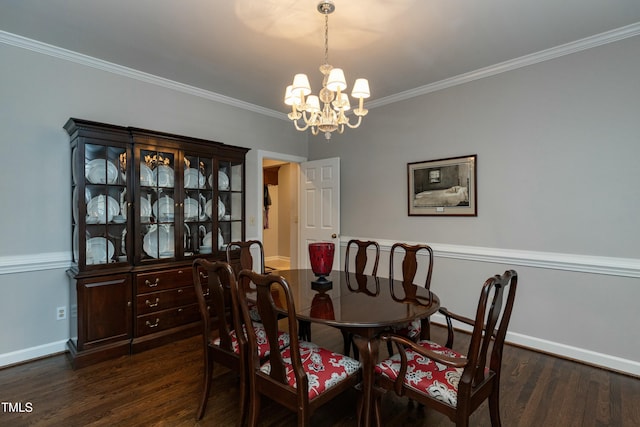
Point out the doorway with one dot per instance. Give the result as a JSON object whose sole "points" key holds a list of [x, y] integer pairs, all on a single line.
{"points": [[280, 213]]}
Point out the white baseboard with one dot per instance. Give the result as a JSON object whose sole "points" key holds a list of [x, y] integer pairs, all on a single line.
{"points": [[31, 353], [589, 357], [276, 259]]}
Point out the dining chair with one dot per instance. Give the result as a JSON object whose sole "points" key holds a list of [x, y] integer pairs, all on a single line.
{"points": [[363, 266], [450, 382], [301, 377], [362, 260], [216, 292], [246, 256], [247, 261], [410, 268]]}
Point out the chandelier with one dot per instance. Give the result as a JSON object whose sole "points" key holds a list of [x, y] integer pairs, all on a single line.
{"points": [[306, 112]]}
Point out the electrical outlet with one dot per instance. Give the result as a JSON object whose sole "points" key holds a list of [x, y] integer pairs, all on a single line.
{"points": [[61, 313]]}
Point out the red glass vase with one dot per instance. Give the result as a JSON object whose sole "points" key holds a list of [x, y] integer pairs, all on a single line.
{"points": [[321, 257]]}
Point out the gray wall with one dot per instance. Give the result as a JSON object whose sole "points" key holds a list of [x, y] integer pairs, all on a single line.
{"points": [[38, 94], [558, 147]]}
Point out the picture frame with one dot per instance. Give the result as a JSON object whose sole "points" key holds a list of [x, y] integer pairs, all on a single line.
{"points": [[443, 187]]}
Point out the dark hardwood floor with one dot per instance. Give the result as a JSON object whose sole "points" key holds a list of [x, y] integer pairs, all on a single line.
{"points": [[161, 387]]}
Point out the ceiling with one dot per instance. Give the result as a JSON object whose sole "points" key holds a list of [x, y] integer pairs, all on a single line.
{"points": [[249, 50]]}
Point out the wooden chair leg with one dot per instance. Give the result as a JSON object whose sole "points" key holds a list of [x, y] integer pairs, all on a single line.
{"points": [[494, 406], [254, 409], [347, 340], [377, 405], [206, 385], [244, 398], [303, 418]]}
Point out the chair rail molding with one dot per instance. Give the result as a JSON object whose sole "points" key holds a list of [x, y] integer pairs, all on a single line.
{"points": [[34, 262], [610, 266]]}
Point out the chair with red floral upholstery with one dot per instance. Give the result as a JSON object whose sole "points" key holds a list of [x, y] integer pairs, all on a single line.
{"points": [[216, 292], [450, 382], [301, 377]]}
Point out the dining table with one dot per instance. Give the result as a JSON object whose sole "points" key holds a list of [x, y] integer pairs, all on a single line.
{"points": [[363, 306]]}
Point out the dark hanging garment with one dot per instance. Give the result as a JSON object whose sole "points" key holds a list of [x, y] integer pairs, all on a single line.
{"points": [[267, 203]]}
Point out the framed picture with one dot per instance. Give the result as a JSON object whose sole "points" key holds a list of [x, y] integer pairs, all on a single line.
{"points": [[443, 187]]}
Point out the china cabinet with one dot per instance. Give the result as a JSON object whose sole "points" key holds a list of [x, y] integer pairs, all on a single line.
{"points": [[144, 205]]}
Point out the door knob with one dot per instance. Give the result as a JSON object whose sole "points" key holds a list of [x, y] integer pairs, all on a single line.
{"points": [[334, 235]]}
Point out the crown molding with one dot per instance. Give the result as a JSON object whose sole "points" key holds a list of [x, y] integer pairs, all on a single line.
{"points": [[513, 64], [99, 64], [535, 58]]}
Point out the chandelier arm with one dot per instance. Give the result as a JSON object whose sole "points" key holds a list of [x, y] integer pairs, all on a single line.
{"points": [[311, 120], [302, 129], [356, 124], [304, 118]]}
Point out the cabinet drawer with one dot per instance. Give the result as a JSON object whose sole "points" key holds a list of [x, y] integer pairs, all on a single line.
{"points": [[165, 319], [165, 279], [162, 300]]}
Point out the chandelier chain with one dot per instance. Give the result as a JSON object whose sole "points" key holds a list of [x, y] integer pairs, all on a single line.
{"points": [[326, 38]]}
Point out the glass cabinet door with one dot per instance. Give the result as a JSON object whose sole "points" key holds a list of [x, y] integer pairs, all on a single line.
{"points": [[156, 209], [99, 201], [230, 202], [198, 206]]}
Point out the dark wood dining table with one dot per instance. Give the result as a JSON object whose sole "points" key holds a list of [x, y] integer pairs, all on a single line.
{"points": [[364, 306]]}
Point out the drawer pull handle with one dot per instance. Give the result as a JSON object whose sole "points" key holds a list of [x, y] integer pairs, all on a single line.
{"points": [[180, 291], [152, 304], [153, 325], [180, 310], [154, 284], [206, 294], [180, 271]]}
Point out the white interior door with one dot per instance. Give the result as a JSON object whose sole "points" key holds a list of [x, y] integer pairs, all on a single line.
{"points": [[319, 206]]}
